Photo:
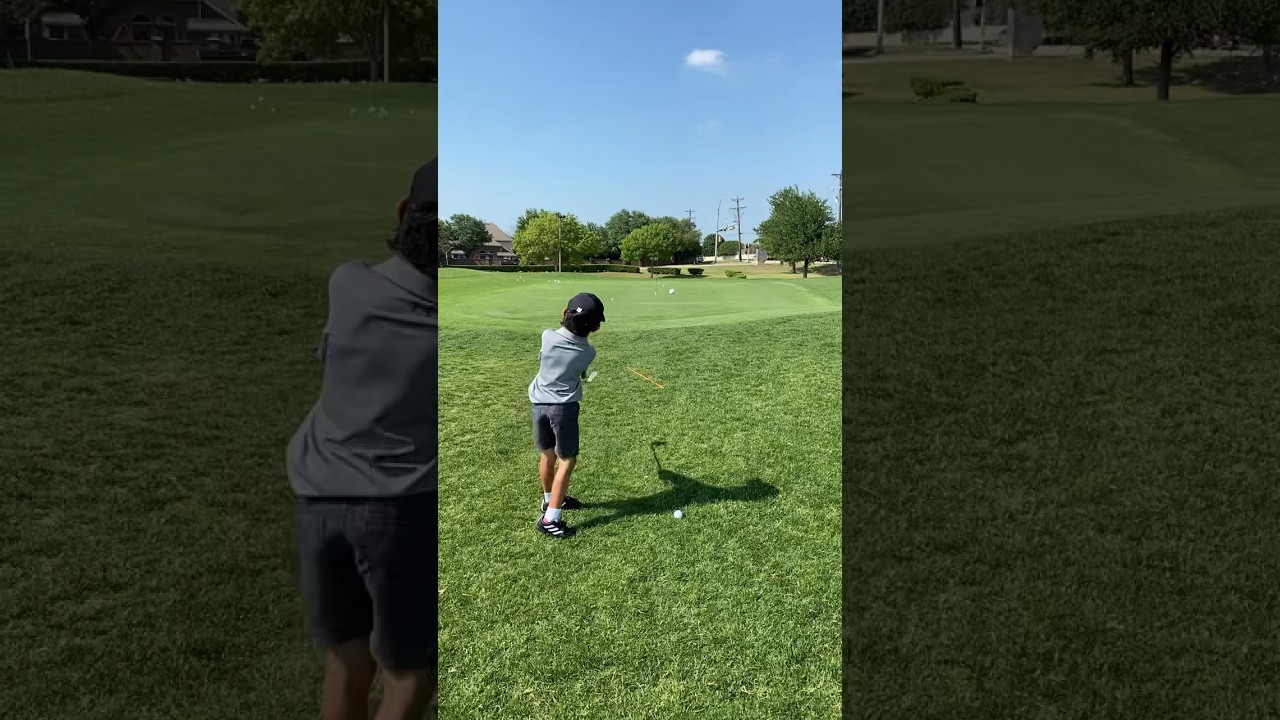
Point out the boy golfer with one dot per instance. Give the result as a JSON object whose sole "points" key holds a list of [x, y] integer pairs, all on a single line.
{"points": [[363, 465], [556, 392]]}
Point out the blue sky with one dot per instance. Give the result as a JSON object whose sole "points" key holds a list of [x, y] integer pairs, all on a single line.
{"points": [[592, 106]]}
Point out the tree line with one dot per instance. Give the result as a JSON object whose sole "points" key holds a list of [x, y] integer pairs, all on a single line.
{"points": [[284, 29], [1116, 28], [801, 229]]}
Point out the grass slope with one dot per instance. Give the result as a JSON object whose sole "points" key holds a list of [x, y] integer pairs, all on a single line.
{"points": [[1060, 474], [936, 173], [165, 255], [731, 612], [1059, 469]]}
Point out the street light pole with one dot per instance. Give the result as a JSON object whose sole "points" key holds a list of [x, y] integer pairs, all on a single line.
{"points": [[715, 243], [559, 238], [839, 188], [880, 28]]}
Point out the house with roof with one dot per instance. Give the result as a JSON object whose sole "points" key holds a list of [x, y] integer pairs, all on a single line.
{"points": [[499, 250], [183, 30]]}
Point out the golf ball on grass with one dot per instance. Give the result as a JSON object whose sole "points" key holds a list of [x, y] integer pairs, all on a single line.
{"points": [[678, 514], [672, 291]]}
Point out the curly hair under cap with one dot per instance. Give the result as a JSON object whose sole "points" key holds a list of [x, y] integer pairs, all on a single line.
{"points": [[417, 240]]}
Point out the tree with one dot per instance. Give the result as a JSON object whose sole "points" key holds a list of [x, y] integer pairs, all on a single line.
{"points": [[446, 241], [467, 233], [619, 226], [917, 15], [1114, 28], [796, 226], [859, 16], [529, 214], [546, 237], [599, 240], [287, 27], [22, 13], [833, 243], [710, 244], [1256, 22], [688, 241], [651, 242], [728, 248], [1174, 27]]}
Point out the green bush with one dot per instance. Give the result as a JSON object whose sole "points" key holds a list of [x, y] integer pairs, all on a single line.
{"points": [[664, 271], [928, 88], [244, 72], [696, 272], [735, 273]]}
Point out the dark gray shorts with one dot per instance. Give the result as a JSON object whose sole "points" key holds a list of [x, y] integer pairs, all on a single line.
{"points": [[368, 569], [555, 426]]}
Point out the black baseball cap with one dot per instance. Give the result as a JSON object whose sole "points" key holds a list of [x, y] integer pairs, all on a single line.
{"points": [[587, 306], [426, 185]]}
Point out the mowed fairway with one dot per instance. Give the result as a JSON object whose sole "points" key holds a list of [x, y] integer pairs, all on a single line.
{"points": [[165, 254], [730, 612], [1060, 434]]}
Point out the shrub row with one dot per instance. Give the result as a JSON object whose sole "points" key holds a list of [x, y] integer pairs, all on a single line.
{"points": [[552, 268], [948, 90], [245, 72], [735, 273], [664, 271]]}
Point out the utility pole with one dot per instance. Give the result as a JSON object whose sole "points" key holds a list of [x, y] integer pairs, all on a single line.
{"points": [[737, 210], [839, 188], [982, 40], [880, 28], [386, 41]]}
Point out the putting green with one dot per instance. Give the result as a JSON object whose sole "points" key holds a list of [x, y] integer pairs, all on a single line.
{"points": [[522, 300]]}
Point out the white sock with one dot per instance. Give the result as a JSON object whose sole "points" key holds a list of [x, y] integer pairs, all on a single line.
{"points": [[553, 514], [546, 497]]}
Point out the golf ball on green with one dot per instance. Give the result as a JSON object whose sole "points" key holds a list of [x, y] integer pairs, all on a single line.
{"points": [[678, 514], [672, 291]]}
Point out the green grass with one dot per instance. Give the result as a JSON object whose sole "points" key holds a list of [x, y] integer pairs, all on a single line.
{"points": [[165, 260], [731, 612], [1060, 473], [1060, 462], [937, 173]]}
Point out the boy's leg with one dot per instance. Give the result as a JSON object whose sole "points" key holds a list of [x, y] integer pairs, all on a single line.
{"points": [[338, 609], [406, 695], [395, 541], [565, 423], [560, 488], [547, 468], [544, 441], [349, 670]]}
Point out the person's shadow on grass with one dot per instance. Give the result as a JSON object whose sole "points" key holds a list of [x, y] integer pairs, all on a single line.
{"points": [[682, 492]]}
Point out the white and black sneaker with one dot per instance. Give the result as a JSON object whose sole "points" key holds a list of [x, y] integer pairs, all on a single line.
{"points": [[555, 528], [570, 503]]}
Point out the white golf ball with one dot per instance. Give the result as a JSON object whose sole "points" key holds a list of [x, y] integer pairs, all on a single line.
{"points": [[672, 291], [678, 514]]}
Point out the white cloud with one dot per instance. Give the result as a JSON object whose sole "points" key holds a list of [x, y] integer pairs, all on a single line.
{"points": [[707, 60]]}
